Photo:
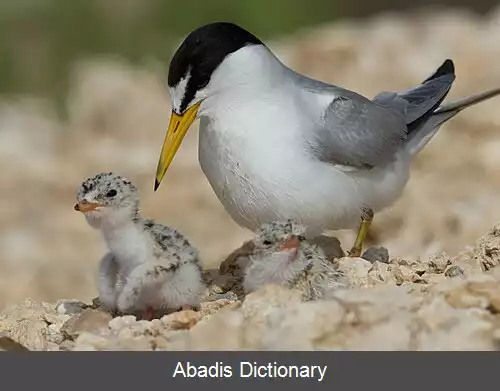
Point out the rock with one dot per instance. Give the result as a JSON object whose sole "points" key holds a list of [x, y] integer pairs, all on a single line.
{"points": [[487, 252], [8, 344], [330, 246], [27, 324], [355, 271], [220, 332], [212, 307], [405, 274], [439, 262], [376, 254], [231, 271], [70, 306], [235, 262], [420, 305], [181, 320], [454, 271], [89, 320], [380, 273], [30, 334]]}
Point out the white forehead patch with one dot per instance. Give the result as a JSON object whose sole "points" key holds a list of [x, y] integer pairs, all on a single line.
{"points": [[178, 92]]}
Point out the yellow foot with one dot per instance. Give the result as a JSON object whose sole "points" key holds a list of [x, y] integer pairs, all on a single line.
{"points": [[366, 221]]}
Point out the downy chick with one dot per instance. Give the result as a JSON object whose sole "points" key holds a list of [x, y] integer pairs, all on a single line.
{"points": [[150, 268], [283, 257]]}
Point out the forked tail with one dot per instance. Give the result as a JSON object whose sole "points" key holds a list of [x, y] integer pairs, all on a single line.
{"points": [[420, 137]]}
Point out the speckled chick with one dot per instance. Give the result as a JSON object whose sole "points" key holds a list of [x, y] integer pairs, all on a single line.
{"points": [[282, 256], [150, 268]]}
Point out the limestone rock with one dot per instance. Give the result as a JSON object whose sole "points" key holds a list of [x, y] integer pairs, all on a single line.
{"points": [[70, 306], [441, 303], [439, 262], [89, 320], [182, 320], [8, 344], [355, 271], [28, 324]]}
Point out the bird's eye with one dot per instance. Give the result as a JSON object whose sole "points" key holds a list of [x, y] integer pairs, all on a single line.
{"points": [[111, 193], [267, 242]]}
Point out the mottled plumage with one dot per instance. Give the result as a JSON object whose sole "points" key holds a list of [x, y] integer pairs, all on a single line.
{"points": [[283, 257], [150, 268]]}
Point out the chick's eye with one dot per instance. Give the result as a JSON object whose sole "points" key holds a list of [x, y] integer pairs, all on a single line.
{"points": [[111, 193], [267, 242]]}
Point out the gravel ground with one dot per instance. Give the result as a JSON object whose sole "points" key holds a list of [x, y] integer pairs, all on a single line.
{"points": [[118, 115]]}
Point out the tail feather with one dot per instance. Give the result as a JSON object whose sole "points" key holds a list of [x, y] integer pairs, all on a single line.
{"points": [[421, 136], [425, 98], [460, 104]]}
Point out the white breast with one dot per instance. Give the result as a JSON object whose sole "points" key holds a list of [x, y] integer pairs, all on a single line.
{"points": [[259, 166], [129, 245]]}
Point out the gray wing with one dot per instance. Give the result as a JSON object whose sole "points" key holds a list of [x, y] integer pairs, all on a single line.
{"points": [[357, 132], [362, 133]]}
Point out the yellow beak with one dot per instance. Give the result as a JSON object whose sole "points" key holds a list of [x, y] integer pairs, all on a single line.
{"points": [[177, 128]]}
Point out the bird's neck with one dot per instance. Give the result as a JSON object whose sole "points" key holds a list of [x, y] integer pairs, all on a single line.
{"points": [[127, 241], [116, 227]]}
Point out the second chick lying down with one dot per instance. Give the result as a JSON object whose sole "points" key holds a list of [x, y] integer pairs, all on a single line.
{"points": [[282, 256]]}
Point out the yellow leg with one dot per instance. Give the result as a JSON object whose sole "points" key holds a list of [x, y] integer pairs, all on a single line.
{"points": [[366, 221]]}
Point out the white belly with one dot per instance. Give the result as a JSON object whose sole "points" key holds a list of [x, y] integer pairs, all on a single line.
{"points": [[258, 181]]}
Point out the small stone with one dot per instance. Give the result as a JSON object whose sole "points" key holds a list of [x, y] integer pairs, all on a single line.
{"points": [[454, 271], [376, 254], [121, 322], [89, 320], [211, 307], [181, 320], [330, 246], [231, 296], [235, 262], [439, 262], [355, 271], [404, 274], [70, 306], [96, 303], [420, 267], [380, 273]]}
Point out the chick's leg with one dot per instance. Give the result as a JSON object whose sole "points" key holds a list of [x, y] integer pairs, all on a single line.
{"points": [[108, 274], [145, 276], [366, 221]]}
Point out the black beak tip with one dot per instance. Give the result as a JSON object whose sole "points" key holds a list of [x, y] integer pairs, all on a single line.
{"points": [[157, 184]]}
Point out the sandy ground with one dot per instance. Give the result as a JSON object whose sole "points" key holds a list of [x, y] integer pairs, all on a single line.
{"points": [[117, 119]]}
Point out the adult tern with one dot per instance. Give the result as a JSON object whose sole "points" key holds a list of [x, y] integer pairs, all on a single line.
{"points": [[275, 144]]}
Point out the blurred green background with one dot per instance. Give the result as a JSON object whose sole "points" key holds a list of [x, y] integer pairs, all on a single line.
{"points": [[40, 39]]}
